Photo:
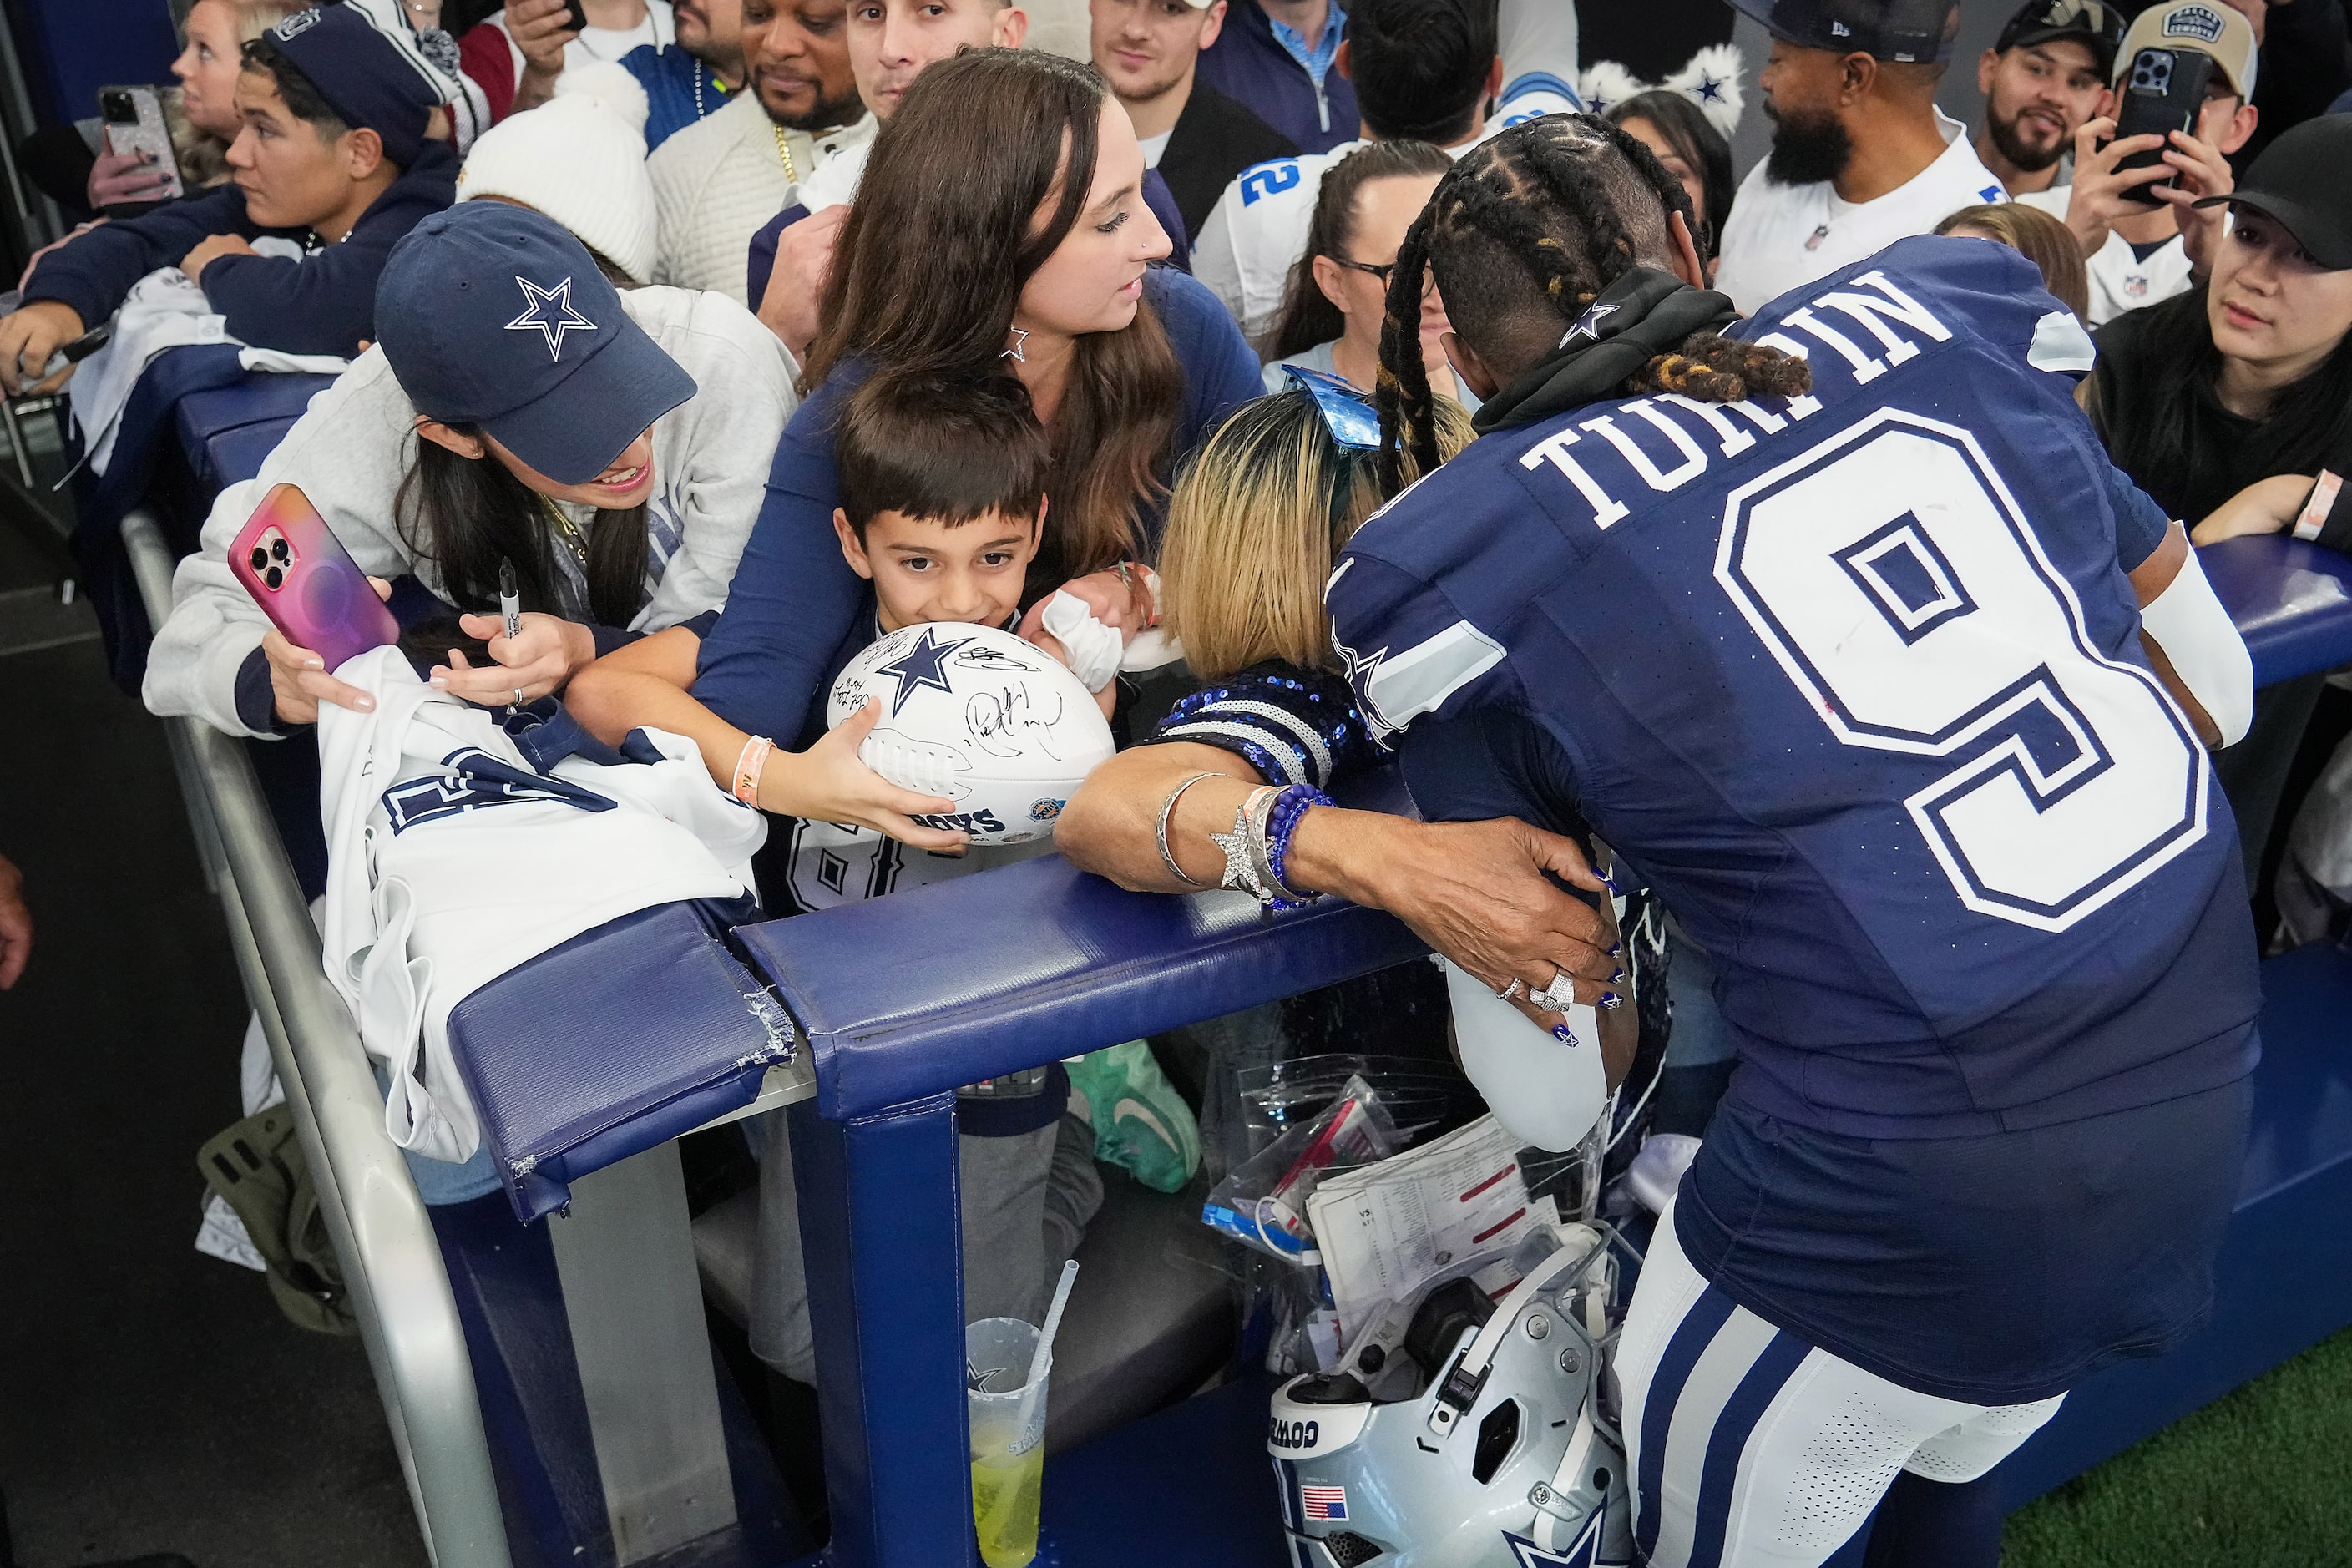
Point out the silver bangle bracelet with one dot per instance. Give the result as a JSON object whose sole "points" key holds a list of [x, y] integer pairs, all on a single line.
{"points": [[1168, 810]]}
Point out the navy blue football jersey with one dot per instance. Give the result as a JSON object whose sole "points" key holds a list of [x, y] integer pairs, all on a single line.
{"points": [[1854, 679]]}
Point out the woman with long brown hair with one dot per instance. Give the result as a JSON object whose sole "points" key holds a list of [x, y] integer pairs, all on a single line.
{"points": [[1000, 228]]}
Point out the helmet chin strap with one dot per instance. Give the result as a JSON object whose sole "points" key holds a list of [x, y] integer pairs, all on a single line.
{"points": [[1468, 1375]]}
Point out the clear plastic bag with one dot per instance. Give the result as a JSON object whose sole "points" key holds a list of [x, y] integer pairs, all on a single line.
{"points": [[1263, 1202], [1420, 1097]]}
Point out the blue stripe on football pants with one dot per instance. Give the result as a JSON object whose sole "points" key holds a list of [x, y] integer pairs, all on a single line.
{"points": [[1754, 1449]]}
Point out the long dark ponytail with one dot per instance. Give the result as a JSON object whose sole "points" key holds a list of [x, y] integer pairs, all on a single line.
{"points": [[1307, 316], [467, 514], [1528, 230]]}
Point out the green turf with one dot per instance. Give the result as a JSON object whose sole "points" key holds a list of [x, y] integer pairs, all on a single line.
{"points": [[2264, 1476]]}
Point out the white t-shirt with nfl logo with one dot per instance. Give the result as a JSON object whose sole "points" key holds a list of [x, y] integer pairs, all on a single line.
{"points": [[1784, 236], [2121, 278]]}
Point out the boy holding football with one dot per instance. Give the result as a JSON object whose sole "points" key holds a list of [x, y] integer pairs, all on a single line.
{"points": [[943, 497]]}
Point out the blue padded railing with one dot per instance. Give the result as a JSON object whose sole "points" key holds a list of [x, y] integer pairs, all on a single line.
{"points": [[2292, 602]]}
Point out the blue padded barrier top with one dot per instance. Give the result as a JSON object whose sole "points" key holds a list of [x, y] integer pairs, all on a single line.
{"points": [[618, 1040], [228, 430], [2292, 602], [910, 996]]}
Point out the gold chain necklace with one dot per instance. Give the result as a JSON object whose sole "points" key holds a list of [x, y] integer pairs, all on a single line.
{"points": [[566, 530], [784, 151]]}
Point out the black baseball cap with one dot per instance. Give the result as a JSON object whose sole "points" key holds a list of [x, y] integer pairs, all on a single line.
{"points": [[366, 77], [2093, 22], [2304, 181], [1903, 30], [494, 315]]}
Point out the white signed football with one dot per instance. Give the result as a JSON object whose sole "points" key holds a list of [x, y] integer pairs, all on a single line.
{"points": [[977, 715]]}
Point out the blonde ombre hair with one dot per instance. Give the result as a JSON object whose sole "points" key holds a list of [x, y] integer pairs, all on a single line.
{"points": [[1258, 515]]}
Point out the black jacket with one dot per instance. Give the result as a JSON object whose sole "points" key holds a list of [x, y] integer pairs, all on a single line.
{"points": [[322, 304], [1215, 138]]}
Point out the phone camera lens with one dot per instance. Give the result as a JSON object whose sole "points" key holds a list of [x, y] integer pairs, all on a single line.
{"points": [[278, 552], [274, 577], [260, 558]]}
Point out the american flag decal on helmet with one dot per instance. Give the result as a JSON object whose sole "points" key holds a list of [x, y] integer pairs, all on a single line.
{"points": [[1324, 1502]]}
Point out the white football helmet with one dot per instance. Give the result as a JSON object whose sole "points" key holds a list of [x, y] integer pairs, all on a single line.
{"points": [[1464, 1432]]}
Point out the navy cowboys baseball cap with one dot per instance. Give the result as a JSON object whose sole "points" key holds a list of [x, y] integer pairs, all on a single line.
{"points": [[1903, 30], [2303, 182], [366, 77], [494, 315]]}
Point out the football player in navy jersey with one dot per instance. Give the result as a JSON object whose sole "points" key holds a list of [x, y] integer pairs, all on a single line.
{"points": [[1838, 627]]}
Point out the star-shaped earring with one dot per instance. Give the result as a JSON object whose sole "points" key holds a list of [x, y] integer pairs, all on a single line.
{"points": [[1020, 341]]}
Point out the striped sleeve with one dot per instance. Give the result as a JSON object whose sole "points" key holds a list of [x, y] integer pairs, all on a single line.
{"points": [[1293, 725]]}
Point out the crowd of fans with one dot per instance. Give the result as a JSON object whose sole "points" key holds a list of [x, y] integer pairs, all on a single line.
{"points": [[836, 267]]}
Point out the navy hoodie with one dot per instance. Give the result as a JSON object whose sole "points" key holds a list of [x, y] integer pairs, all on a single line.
{"points": [[322, 304]]}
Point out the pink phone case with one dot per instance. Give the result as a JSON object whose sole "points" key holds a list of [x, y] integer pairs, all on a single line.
{"points": [[299, 573]]}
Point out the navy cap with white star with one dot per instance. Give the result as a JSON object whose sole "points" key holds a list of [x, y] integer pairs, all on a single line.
{"points": [[493, 315]]}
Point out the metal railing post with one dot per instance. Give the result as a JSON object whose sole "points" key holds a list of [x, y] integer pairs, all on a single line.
{"points": [[382, 1232]]}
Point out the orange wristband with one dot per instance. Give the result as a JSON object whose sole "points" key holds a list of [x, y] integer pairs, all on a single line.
{"points": [[748, 768]]}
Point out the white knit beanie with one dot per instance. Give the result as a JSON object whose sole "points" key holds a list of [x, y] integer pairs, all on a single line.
{"points": [[580, 158]]}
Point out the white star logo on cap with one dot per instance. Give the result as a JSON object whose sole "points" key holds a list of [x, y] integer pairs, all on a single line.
{"points": [[539, 314]]}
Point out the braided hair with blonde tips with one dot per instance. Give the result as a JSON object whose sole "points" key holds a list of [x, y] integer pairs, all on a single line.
{"points": [[1522, 235]]}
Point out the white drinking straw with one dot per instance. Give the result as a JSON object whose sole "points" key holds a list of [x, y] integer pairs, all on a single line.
{"points": [[1044, 1358]]}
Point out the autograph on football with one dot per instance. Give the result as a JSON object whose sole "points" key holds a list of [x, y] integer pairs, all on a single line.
{"points": [[1000, 720]]}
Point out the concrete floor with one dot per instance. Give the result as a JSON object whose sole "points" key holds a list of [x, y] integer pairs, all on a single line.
{"points": [[151, 1399]]}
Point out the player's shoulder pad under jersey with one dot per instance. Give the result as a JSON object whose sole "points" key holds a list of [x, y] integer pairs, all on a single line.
{"points": [[1917, 296], [1423, 599], [1531, 96]]}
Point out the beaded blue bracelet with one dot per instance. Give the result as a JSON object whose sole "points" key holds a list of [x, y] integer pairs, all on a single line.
{"points": [[1281, 823]]}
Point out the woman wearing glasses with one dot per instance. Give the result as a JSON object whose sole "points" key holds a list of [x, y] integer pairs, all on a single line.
{"points": [[1337, 292], [1261, 511]]}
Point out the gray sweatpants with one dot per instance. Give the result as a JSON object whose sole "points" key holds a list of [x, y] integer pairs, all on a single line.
{"points": [[1026, 1204]]}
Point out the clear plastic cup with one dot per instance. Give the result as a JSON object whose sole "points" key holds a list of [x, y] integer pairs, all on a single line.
{"points": [[1008, 1457]]}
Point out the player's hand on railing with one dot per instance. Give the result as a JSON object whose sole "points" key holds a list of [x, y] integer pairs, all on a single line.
{"points": [[549, 651], [829, 783], [299, 680], [28, 337]]}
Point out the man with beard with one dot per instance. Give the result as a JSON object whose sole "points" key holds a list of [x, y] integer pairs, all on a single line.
{"points": [[2141, 235], [717, 181], [694, 76], [1861, 157], [2045, 76]]}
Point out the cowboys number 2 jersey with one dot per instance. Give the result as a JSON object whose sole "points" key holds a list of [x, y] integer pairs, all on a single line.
{"points": [[1854, 680]]}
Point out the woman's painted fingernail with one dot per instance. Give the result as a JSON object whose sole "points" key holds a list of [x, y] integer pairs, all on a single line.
{"points": [[1560, 1032], [366, 703], [1610, 1001], [1618, 978], [440, 680], [1616, 950]]}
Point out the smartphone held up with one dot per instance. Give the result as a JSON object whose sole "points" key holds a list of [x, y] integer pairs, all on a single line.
{"points": [[306, 582]]}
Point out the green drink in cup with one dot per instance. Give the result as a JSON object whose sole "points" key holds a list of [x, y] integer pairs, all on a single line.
{"points": [[1006, 1363]]}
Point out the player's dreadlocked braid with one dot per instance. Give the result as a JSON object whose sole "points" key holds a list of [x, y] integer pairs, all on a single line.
{"points": [[1553, 194]]}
